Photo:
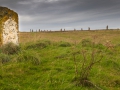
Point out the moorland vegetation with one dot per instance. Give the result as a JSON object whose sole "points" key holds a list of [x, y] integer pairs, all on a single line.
{"points": [[75, 60]]}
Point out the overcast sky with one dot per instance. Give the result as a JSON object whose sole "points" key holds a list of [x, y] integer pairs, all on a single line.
{"points": [[68, 14]]}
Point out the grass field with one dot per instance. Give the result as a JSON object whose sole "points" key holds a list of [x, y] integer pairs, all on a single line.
{"points": [[74, 60], [72, 36]]}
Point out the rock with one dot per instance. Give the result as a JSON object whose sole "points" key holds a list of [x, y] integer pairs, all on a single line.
{"points": [[8, 26]]}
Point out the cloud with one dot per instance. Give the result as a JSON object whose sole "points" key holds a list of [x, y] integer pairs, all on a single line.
{"points": [[56, 14]]}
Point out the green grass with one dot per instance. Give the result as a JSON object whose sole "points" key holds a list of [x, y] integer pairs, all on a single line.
{"points": [[49, 65]]}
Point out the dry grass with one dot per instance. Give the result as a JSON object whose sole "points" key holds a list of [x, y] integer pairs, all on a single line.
{"points": [[71, 36]]}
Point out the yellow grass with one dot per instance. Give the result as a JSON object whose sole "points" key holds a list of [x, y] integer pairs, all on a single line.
{"points": [[101, 36]]}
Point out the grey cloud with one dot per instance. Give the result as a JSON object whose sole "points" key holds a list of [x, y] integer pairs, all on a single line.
{"points": [[62, 13]]}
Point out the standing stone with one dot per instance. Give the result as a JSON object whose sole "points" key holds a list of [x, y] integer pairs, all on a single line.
{"points": [[61, 29], [107, 27], [74, 29], [8, 26], [88, 28], [81, 29]]}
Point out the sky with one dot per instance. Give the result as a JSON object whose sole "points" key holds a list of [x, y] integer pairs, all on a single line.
{"points": [[65, 14]]}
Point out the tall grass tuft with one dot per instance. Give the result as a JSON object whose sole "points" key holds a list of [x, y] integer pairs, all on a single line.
{"points": [[86, 42], [39, 44], [64, 44], [10, 48], [4, 58], [28, 56]]}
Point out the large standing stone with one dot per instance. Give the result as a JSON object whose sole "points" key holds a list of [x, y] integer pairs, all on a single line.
{"points": [[8, 26]]}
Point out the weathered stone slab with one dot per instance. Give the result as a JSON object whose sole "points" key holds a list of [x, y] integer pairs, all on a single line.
{"points": [[8, 26]]}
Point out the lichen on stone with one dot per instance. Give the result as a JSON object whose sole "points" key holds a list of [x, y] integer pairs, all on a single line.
{"points": [[7, 15]]}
